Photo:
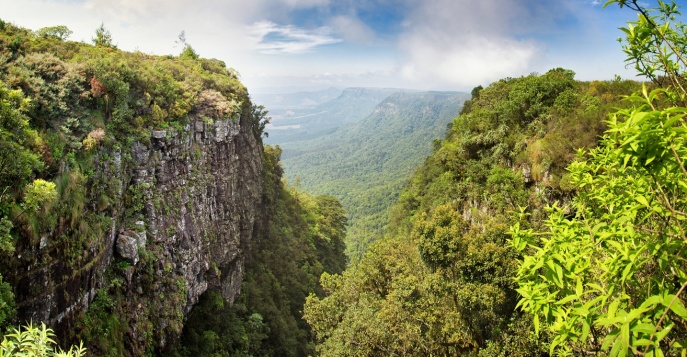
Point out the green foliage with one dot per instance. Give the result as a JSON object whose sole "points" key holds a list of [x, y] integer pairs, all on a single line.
{"points": [[39, 194], [56, 89], [7, 308], [18, 159], [366, 164], [216, 328], [607, 275], [439, 238], [35, 341], [441, 282], [655, 44], [61, 32], [102, 327], [612, 276], [103, 37], [259, 119], [187, 51]]}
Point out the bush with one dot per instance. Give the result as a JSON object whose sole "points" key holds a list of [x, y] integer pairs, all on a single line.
{"points": [[35, 341]]}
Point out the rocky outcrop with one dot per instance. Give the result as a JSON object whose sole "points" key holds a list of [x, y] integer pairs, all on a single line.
{"points": [[181, 214]]}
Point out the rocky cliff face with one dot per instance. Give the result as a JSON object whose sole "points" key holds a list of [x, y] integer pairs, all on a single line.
{"points": [[179, 218]]}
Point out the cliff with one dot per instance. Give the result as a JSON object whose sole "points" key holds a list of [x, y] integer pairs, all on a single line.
{"points": [[156, 164]]}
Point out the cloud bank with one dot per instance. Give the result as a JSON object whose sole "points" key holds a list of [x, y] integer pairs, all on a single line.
{"points": [[271, 38], [465, 43], [429, 44]]}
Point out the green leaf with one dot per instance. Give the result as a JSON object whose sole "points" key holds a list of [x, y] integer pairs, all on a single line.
{"points": [[626, 272], [644, 328], [578, 287], [677, 307], [585, 330], [642, 200], [661, 334], [567, 299], [618, 349], [612, 308]]}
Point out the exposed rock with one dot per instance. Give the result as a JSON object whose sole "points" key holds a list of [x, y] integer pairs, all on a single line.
{"points": [[127, 246], [181, 213], [159, 134], [527, 173]]}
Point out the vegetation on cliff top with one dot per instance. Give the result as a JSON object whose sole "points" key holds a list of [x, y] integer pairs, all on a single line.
{"points": [[67, 110]]}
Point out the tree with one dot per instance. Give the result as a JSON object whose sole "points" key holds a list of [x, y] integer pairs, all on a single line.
{"points": [[103, 37], [61, 32], [259, 119], [17, 160], [609, 273], [187, 51]]}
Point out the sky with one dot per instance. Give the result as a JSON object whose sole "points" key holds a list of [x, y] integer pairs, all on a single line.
{"points": [[283, 46]]}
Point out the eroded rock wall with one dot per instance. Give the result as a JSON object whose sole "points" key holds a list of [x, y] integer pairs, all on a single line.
{"points": [[181, 216]]}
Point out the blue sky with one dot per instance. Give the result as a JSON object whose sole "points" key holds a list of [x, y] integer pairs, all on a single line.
{"points": [[288, 45]]}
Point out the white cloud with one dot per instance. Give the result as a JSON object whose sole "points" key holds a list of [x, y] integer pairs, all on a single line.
{"points": [[352, 29], [271, 38], [305, 3], [477, 60], [465, 43], [441, 44]]}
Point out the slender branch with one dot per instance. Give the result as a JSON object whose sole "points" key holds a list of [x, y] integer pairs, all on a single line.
{"points": [[670, 207], [674, 77], [653, 231], [651, 22], [679, 161], [665, 313]]}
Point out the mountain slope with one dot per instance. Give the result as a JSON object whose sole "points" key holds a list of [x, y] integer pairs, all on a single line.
{"points": [[365, 165], [441, 281]]}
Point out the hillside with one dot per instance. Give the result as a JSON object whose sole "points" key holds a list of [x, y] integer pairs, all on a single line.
{"points": [[366, 164], [133, 187], [441, 282]]}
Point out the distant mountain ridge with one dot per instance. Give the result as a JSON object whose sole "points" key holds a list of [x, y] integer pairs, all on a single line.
{"points": [[295, 100], [293, 123]]}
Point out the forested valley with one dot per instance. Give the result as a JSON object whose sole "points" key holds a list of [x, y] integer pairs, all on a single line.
{"points": [[141, 213], [366, 162]]}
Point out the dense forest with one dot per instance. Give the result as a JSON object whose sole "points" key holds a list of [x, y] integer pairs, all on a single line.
{"points": [[141, 214], [365, 164], [441, 282], [547, 222]]}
